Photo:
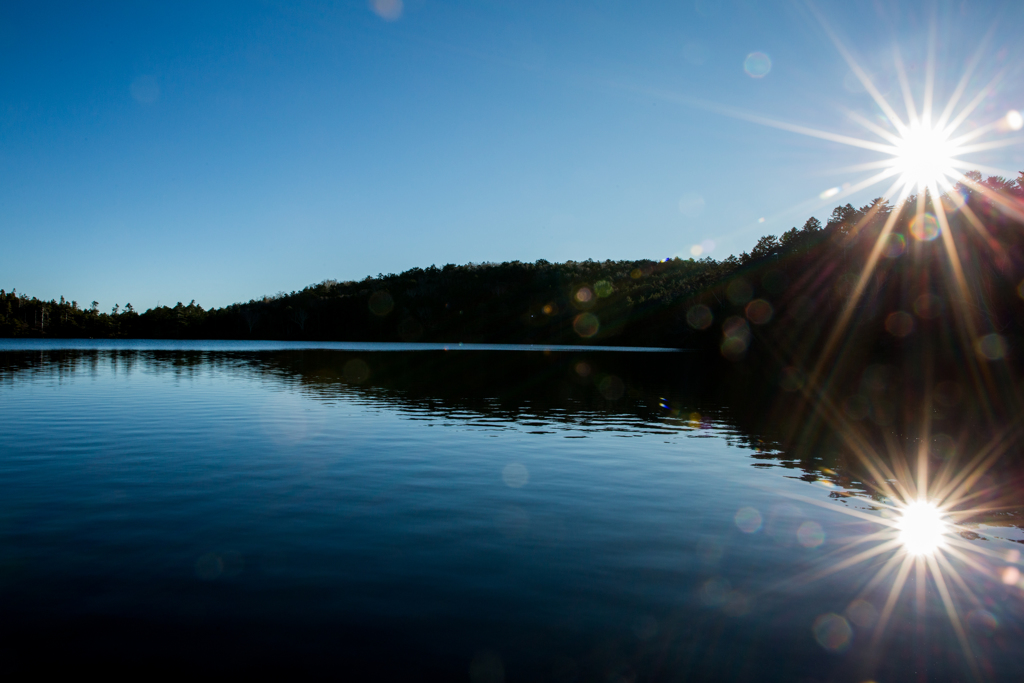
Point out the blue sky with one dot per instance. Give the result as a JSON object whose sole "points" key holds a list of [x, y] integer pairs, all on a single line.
{"points": [[219, 152]]}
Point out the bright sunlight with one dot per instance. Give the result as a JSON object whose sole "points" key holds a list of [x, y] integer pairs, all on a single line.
{"points": [[924, 156], [922, 528]]}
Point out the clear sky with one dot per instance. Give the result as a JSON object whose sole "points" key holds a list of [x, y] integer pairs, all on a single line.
{"points": [[222, 151]]}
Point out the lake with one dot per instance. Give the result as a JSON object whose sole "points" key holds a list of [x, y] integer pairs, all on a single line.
{"points": [[479, 514]]}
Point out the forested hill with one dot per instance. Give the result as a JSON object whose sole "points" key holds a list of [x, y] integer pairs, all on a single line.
{"points": [[572, 302], [786, 290]]}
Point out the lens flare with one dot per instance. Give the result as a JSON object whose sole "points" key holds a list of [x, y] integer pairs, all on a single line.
{"points": [[922, 528], [1014, 120], [757, 64], [924, 227]]}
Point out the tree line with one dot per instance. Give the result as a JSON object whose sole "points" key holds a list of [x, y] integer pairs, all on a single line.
{"points": [[786, 290]]}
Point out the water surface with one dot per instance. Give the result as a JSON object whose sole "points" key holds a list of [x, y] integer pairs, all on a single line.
{"points": [[488, 515]]}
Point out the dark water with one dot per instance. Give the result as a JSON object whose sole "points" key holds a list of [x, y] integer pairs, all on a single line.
{"points": [[464, 515]]}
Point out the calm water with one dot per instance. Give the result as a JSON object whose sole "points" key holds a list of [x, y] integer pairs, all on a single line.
{"points": [[480, 516]]}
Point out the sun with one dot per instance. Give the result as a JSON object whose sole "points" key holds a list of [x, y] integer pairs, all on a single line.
{"points": [[924, 156], [926, 150], [922, 528]]}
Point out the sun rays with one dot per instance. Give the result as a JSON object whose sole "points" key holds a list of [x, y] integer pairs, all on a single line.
{"points": [[926, 149], [922, 536], [920, 542], [925, 144]]}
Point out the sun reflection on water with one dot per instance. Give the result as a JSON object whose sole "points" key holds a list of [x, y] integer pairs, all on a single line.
{"points": [[923, 543], [922, 528]]}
